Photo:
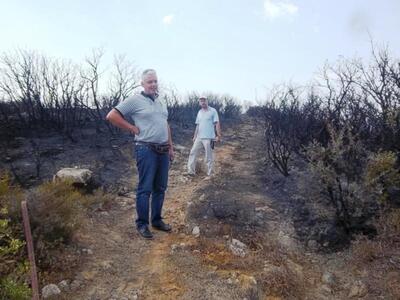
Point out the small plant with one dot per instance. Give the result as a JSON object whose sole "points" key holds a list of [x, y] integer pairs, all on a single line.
{"points": [[11, 289], [10, 196], [365, 250], [281, 281]]}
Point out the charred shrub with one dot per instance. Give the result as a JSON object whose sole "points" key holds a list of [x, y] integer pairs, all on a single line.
{"points": [[337, 170]]}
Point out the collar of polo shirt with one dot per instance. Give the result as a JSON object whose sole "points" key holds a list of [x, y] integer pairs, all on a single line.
{"points": [[150, 96]]}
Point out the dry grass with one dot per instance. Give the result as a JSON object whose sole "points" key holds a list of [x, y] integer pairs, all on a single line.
{"points": [[282, 274], [380, 256], [392, 284], [365, 251], [282, 282], [391, 223], [275, 270]]}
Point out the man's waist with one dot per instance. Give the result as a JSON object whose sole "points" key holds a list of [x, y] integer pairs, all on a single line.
{"points": [[150, 143], [206, 137], [156, 147]]}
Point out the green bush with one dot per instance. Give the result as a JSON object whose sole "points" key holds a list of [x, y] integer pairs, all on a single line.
{"points": [[337, 171], [13, 266], [382, 174], [11, 289], [57, 209]]}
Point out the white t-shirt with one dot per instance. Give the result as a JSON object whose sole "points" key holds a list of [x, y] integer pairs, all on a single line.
{"points": [[206, 120]]}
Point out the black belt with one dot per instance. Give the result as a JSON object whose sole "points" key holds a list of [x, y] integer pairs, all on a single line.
{"points": [[159, 148]]}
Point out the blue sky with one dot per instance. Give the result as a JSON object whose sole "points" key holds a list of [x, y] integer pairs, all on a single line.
{"points": [[237, 47]]}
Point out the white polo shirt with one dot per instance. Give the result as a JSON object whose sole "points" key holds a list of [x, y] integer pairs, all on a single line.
{"points": [[149, 116], [206, 120]]}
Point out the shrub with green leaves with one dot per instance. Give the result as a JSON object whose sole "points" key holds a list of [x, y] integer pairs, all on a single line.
{"points": [[337, 170], [382, 174], [57, 209], [13, 265], [11, 289]]}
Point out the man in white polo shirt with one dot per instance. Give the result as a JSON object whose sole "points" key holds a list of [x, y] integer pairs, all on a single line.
{"points": [[207, 122]]}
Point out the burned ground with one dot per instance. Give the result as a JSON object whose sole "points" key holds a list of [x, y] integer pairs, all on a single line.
{"points": [[244, 201]]}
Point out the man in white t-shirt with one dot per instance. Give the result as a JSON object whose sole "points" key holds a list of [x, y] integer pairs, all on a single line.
{"points": [[207, 122]]}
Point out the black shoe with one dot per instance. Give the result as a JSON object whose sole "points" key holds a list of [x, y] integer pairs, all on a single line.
{"points": [[160, 225], [145, 232]]}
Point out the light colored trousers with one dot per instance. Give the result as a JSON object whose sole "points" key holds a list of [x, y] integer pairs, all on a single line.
{"points": [[197, 145]]}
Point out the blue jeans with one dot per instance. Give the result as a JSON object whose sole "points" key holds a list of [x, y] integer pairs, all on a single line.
{"points": [[153, 179]]}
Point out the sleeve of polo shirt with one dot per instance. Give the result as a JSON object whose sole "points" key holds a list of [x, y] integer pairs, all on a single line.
{"points": [[127, 107], [198, 118], [215, 117]]}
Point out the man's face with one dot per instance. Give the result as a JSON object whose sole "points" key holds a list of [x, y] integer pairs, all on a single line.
{"points": [[203, 103], [150, 84]]}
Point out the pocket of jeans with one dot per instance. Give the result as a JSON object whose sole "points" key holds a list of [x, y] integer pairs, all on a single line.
{"points": [[140, 150]]}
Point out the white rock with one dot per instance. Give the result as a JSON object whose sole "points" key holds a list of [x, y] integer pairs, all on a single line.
{"points": [[50, 290], [106, 265], [75, 284], [196, 231], [328, 278], [174, 248], [75, 175], [64, 285], [87, 251], [238, 248], [179, 148]]}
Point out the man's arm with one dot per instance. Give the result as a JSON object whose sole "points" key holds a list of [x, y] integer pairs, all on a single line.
{"points": [[115, 118], [218, 128], [196, 131], [171, 145]]}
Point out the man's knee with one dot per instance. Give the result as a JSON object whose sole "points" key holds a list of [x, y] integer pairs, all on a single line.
{"points": [[160, 189]]}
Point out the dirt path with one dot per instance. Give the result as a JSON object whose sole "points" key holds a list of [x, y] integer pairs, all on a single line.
{"points": [[231, 205]]}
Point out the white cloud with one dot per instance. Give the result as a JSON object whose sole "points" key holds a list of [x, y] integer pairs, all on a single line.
{"points": [[167, 20], [274, 9]]}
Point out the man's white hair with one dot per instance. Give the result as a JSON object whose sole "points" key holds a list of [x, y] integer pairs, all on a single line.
{"points": [[148, 72]]}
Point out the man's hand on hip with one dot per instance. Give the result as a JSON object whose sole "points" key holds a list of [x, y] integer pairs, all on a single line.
{"points": [[134, 130]]}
